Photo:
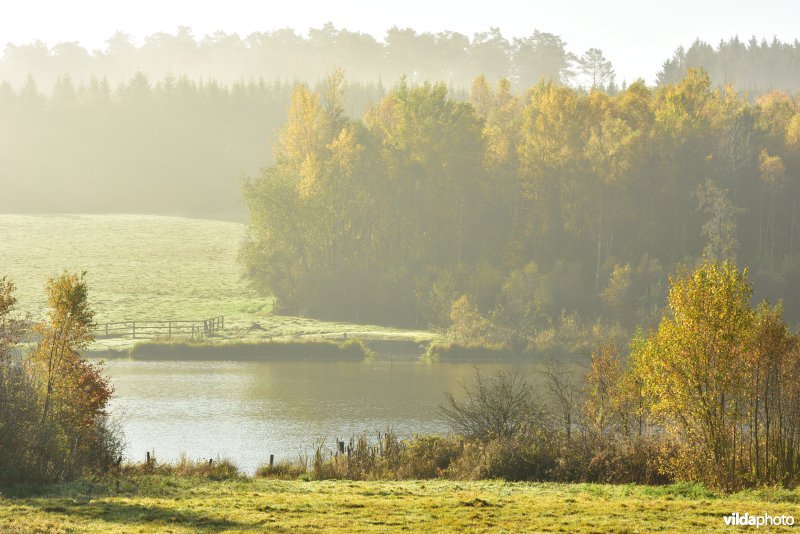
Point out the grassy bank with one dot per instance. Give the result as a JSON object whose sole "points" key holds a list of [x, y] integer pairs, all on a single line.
{"points": [[453, 352], [153, 268], [311, 350], [155, 503], [138, 266]]}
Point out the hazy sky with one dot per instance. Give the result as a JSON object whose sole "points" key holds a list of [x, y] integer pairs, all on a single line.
{"points": [[635, 36]]}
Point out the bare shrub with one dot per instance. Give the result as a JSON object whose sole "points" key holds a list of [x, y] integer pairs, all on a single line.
{"points": [[501, 405]]}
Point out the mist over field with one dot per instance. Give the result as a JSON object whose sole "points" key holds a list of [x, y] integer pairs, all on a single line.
{"points": [[237, 269], [172, 125]]}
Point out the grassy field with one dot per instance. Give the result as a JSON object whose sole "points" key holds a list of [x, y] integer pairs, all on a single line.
{"points": [[171, 504], [143, 267]]}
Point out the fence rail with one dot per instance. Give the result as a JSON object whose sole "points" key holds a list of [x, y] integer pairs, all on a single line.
{"points": [[134, 329]]}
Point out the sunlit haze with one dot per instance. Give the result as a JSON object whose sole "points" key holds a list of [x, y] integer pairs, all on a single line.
{"points": [[635, 36], [364, 266]]}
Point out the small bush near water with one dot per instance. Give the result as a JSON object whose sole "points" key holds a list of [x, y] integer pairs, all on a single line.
{"points": [[502, 429], [283, 470], [212, 469], [385, 458], [455, 352], [520, 457]]}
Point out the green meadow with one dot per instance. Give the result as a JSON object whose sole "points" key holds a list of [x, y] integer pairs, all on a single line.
{"points": [[153, 268], [155, 503]]}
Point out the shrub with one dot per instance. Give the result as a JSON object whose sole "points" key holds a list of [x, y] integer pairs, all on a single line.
{"points": [[283, 470], [507, 457], [501, 405], [219, 469], [387, 458], [455, 352], [428, 456], [361, 461], [616, 462]]}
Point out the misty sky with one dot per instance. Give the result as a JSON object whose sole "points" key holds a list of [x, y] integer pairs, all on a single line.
{"points": [[635, 36]]}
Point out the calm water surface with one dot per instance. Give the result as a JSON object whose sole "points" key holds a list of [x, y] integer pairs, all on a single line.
{"points": [[246, 411]]}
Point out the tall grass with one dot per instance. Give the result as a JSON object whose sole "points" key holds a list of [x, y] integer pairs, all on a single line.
{"points": [[543, 457], [384, 456], [212, 469]]}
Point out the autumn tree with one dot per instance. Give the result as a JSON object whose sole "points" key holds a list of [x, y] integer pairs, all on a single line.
{"points": [[17, 411], [602, 384], [72, 392], [770, 434], [772, 175], [11, 327], [692, 369], [548, 148], [610, 150], [720, 228], [53, 403], [579, 202]]}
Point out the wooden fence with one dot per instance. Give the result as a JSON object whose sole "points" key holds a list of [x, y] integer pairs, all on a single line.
{"points": [[150, 329]]}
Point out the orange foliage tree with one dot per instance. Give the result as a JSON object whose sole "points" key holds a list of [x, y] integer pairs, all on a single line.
{"points": [[72, 393]]}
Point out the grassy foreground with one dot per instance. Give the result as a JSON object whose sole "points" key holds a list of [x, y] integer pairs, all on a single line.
{"points": [[154, 503]]}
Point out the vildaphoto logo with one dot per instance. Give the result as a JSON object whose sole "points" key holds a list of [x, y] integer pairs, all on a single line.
{"points": [[758, 521]]}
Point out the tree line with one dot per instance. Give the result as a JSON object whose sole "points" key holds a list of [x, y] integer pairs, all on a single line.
{"points": [[543, 220], [173, 146], [170, 126], [754, 66], [285, 55]]}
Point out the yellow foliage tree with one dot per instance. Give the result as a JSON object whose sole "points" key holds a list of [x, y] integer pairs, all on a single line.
{"points": [[692, 370]]}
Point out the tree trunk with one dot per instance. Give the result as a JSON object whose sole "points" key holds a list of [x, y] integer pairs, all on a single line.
{"points": [[599, 240]]}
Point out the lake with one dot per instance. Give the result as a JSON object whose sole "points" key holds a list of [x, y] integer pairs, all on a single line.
{"points": [[246, 411]]}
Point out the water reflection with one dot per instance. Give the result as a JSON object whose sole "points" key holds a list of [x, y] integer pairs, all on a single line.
{"points": [[248, 410]]}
